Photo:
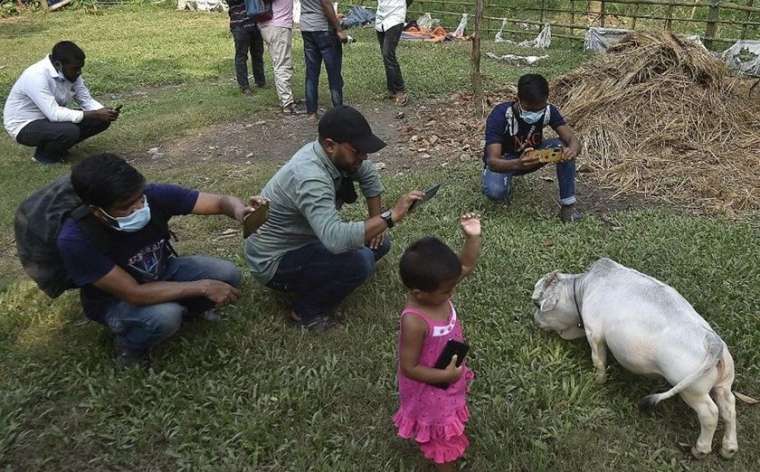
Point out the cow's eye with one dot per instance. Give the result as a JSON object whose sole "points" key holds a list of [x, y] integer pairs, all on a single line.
{"points": [[536, 304]]}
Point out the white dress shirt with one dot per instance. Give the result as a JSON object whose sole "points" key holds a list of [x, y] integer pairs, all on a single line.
{"points": [[43, 93], [389, 14]]}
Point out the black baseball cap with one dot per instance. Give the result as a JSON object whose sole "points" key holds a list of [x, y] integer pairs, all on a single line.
{"points": [[344, 124]]}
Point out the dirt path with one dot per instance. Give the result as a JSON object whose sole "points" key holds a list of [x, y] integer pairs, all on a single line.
{"points": [[421, 136]]}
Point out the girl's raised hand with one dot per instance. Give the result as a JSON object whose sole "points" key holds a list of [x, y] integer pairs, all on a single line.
{"points": [[470, 223]]}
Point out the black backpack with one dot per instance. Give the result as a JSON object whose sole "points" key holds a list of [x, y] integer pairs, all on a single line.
{"points": [[38, 221]]}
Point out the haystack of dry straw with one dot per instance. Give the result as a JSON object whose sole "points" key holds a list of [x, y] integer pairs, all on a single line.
{"points": [[662, 117]]}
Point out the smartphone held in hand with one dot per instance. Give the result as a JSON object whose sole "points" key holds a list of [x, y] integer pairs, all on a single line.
{"points": [[253, 221], [452, 347], [429, 193]]}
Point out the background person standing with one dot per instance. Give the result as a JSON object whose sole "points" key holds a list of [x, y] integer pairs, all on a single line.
{"points": [[389, 24], [278, 36], [323, 39], [247, 37]]}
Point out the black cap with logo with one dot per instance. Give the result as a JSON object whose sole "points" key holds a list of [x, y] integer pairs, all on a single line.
{"points": [[344, 124]]}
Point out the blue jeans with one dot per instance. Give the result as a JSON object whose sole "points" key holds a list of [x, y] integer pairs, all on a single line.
{"points": [[320, 280], [497, 186], [319, 46], [138, 328]]}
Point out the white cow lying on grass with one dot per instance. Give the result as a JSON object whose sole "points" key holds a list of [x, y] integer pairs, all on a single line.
{"points": [[650, 329]]}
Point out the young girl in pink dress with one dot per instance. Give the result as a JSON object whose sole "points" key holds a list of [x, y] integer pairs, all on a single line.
{"points": [[432, 416]]}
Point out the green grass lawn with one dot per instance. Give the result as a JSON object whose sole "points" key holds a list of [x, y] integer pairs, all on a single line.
{"points": [[252, 393]]}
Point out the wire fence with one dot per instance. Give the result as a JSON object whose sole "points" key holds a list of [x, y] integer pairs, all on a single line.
{"points": [[716, 22]]}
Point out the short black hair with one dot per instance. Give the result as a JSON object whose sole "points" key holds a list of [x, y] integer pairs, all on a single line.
{"points": [[105, 179], [67, 52], [533, 88], [427, 264]]}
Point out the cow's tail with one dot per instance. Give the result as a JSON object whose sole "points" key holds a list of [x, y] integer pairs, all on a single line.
{"points": [[746, 399], [714, 346]]}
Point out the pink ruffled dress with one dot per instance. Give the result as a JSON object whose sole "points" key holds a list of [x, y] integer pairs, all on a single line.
{"points": [[432, 416]]}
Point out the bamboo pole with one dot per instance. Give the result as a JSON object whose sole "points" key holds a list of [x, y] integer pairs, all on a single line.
{"points": [[749, 14], [572, 15], [635, 15], [564, 25], [475, 78], [543, 10], [694, 9], [669, 21]]}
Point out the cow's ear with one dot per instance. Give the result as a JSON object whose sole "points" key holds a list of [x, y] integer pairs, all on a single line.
{"points": [[549, 302], [551, 279]]}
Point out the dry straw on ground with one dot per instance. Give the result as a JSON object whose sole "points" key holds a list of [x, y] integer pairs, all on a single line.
{"points": [[662, 117]]}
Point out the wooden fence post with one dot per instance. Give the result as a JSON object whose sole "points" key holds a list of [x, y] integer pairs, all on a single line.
{"points": [[475, 77], [603, 12], [749, 15], [543, 10], [572, 16], [635, 15], [669, 21], [713, 16]]}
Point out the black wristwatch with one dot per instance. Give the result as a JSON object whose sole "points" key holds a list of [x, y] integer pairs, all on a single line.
{"points": [[387, 216]]}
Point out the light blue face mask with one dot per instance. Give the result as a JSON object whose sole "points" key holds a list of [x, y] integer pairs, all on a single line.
{"points": [[133, 222], [531, 117]]}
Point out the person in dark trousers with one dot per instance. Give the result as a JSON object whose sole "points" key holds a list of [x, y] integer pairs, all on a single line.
{"points": [[305, 247], [247, 37], [323, 40], [135, 284], [389, 25], [36, 112]]}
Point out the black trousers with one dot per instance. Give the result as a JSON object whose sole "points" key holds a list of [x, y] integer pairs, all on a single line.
{"points": [[54, 138], [245, 41], [388, 42]]}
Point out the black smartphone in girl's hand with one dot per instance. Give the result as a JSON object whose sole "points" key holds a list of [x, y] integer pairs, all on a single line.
{"points": [[452, 347]]}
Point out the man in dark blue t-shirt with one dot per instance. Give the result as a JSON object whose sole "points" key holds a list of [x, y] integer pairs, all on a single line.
{"points": [[515, 127], [121, 257]]}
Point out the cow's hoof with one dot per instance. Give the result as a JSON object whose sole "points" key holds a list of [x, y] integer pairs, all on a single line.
{"points": [[601, 378], [699, 454], [729, 452]]}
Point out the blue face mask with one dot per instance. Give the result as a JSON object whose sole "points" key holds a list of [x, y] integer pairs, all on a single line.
{"points": [[531, 117], [133, 222]]}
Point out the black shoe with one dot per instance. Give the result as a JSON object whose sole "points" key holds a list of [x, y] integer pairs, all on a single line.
{"points": [[129, 358], [568, 214], [46, 159]]}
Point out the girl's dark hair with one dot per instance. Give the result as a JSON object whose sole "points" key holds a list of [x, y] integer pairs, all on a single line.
{"points": [[533, 88], [428, 263], [105, 179]]}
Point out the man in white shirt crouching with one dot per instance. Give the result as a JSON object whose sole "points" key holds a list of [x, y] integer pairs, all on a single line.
{"points": [[36, 112]]}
